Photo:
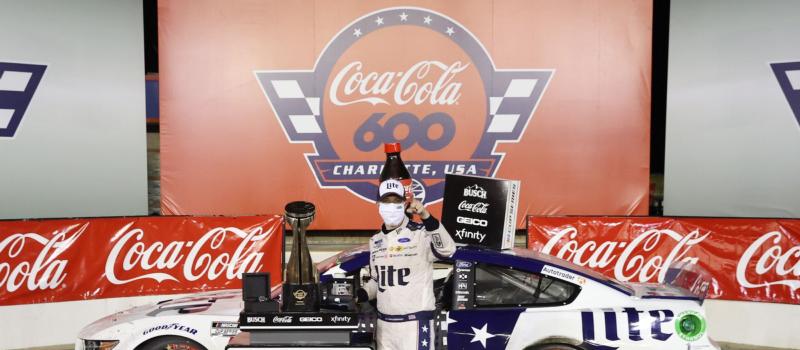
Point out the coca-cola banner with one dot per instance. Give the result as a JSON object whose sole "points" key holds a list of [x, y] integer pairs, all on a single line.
{"points": [[749, 259], [79, 259]]}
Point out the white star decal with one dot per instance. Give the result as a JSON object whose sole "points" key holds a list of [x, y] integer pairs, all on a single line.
{"points": [[424, 343], [424, 329], [427, 20], [450, 320], [357, 32], [403, 17], [481, 335], [450, 31], [379, 20]]}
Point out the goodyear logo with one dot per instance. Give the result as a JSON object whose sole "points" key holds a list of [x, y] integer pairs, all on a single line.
{"points": [[18, 82], [407, 75]]}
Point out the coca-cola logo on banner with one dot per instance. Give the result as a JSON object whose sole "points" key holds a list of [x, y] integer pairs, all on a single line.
{"points": [[60, 260], [439, 95], [749, 259]]}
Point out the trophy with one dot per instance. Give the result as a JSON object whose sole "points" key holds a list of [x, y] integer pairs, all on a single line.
{"points": [[301, 279]]}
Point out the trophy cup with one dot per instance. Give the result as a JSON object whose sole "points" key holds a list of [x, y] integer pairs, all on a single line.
{"points": [[301, 279]]}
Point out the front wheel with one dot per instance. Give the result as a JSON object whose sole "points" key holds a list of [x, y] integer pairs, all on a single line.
{"points": [[170, 343]]}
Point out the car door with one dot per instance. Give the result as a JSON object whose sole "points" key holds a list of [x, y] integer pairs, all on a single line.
{"points": [[488, 300]]}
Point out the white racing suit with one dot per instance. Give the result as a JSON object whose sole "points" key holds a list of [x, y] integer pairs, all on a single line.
{"points": [[401, 266]]}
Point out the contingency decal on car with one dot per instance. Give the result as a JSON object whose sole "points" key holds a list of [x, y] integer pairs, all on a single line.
{"points": [[555, 272], [481, 329], [224, 328]]}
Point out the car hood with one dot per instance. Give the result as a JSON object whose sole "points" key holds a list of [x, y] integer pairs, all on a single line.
{"points": [[218, 303], [660, 291]]}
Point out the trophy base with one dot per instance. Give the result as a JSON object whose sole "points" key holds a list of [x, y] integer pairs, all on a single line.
{"points": [[301, 297]]}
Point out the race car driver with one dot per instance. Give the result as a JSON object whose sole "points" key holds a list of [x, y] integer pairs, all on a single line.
{"points": [[401, 268]]}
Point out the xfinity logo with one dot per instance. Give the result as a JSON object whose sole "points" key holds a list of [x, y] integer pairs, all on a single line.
{"points": [[464, 233], [337, 319], [18, 82], [472, 221], [475, 191], [788, 75]]}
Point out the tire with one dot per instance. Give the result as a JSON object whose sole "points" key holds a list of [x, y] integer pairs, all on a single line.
{"points": [[170, 343]]}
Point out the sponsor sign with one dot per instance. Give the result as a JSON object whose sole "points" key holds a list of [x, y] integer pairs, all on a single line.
{"points": [[297, 319], [481, 211], [81, 259], [748, 259], [316, 93]]}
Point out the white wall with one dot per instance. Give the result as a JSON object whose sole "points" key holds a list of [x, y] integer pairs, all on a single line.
{"points": [[732, 140], [764, 324], [80, 148]]}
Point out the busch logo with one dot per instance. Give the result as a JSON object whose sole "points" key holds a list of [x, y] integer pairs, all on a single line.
{"points": [[18, 82], [788, 75], [406, 75], [466, 234], [256, 319], [474, 191], [131, 253], [631, 260], [479, 207], [772, 259], [44, 272]]}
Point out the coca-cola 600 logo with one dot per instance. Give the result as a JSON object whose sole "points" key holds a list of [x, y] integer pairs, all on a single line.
{"points": [[406, 75]]}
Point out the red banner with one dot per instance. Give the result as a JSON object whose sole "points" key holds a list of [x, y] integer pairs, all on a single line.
{"points": [[749, 259], [79, 259]]}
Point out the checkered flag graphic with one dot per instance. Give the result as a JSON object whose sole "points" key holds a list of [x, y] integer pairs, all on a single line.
{"points": [[18, 82], [788, 75]]}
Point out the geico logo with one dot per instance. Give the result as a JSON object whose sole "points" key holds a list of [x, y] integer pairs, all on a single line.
{"points": [[310, 319], [472, 221]]}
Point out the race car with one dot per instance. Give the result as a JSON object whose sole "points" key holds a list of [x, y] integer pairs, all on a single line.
{"points": [[486, 299]]}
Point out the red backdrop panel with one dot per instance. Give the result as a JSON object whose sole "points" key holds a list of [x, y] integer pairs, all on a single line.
{"points": [[749, 259], [80, 259], [264, 102]]}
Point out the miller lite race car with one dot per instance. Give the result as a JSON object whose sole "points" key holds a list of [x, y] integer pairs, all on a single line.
{"points": [[486, 299]]}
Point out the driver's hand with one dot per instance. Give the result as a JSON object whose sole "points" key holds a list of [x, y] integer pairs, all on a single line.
{"points": [[416, 207]]}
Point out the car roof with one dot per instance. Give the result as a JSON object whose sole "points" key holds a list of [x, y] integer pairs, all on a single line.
{"points": [[524, 259]]}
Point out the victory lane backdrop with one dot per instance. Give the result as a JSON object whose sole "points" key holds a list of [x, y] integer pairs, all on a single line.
{"points": [[79, 259], [264, 102]]}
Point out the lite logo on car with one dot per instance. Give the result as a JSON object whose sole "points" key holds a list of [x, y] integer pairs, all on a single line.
{"points": [[18, 83], [407, 75]]}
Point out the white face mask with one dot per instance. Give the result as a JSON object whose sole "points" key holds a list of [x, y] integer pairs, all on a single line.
{"points": [[392, 213]]}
